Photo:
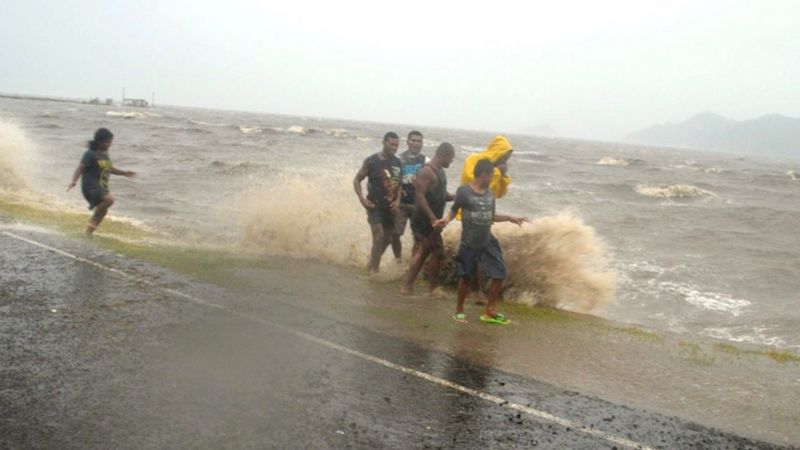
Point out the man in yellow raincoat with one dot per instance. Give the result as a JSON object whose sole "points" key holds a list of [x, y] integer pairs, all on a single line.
{"points": [[498, 152]]}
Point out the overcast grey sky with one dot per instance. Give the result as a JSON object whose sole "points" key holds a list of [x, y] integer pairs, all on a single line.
{"points": [[589, 69]]}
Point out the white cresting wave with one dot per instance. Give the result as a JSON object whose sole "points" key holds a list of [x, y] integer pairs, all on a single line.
{"points": [[131, 114], [754, 335], [673, 191], [608, 161], [712, 301]]}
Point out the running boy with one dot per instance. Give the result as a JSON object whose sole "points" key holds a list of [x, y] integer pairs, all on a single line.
{"points": [[477, 204], [94, 170]]}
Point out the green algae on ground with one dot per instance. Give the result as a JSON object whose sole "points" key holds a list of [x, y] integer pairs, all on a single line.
{"points": [[782, 356], [126, 238], [403, 317], [693, 353], [71, 223], [538, 313], [207, 264], [728, 348], [637, 332]]}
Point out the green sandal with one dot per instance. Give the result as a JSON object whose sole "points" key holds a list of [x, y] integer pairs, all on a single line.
{"points": [[498, 318], [460, 317]]}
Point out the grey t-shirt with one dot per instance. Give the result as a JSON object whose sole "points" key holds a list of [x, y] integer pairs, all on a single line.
{"points": [[96, 170], [477, 213]]}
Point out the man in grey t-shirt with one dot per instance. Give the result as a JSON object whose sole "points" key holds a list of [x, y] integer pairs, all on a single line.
{"points": [[476, 202]]}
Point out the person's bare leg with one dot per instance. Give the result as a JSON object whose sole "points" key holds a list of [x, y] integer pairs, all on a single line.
{"points": [[463, 288], [434, 263], [417, 260], [378, 247], [100, 212], [388, 237], [475, 286], [494, 293], [417, 246], [397, 246]]}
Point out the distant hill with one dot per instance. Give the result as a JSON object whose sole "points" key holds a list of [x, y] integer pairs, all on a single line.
{"points": [[772, 134]]}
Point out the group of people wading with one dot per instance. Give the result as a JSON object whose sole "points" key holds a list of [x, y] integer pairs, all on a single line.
{"points": [[409, 189]]}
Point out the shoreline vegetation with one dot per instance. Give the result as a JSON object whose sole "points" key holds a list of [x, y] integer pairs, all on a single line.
{"points": [[214, 265]]}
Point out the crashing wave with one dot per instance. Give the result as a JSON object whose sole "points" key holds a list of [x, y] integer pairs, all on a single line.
{"points": [[555, 261], [15, 148]]}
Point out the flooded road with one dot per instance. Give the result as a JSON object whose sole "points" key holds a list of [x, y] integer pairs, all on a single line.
{"points": [[100, 350]]}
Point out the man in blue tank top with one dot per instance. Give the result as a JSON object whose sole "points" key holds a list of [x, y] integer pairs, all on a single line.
{"points": [[412, 160]]}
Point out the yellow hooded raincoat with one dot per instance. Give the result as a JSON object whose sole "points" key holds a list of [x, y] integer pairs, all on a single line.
{"points": [[498, 148]]}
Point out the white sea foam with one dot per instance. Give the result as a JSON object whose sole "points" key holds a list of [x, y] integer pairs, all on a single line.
{"points": [[296, 129], [338, 132], [609, 161], [672, 191], [711, 301], [250, 130], [131, 114], [205, 124], [749, 335]]}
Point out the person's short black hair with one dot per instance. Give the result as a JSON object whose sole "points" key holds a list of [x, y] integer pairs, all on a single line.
{"points": [[414, 133], [100, 136], [390, 135], [482, 167], [444, 149]]}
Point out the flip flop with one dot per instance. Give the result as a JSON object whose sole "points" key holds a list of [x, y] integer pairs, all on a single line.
{"points": [[498, 319], [460, 318]]}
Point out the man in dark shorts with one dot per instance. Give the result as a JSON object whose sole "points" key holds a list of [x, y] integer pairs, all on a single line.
{"points": [[430, 187], [498, 152], [94, 171], [478, 246], [383, 172], [412, 160]]}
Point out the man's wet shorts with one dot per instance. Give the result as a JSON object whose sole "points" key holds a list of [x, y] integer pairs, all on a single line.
{"points": [[432, 240], [381, 216], [490, 259]]}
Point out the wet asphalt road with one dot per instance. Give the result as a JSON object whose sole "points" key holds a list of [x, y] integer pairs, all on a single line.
{"points": [[94, 359]]}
